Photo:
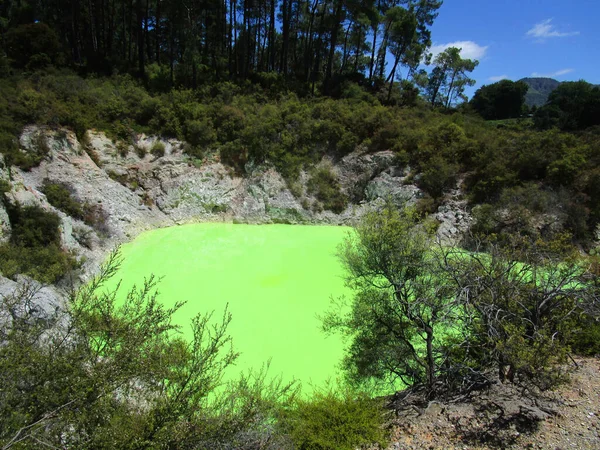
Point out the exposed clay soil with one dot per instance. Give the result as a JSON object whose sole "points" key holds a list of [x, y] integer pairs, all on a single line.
{"points": [[504, 417]]}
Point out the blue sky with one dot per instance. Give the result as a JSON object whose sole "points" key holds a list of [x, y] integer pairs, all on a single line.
{"points": [[522, 38]]}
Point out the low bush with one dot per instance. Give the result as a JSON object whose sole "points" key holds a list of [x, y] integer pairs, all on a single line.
{"points": [[324, 185], [44, 264], [60, 195], [94, 383], [585, 337], [34, 246], [336, 421], [158, 149], [4, 187], [33, 226], [140, 151], [122, 149], [438, 176], [193, 151]]}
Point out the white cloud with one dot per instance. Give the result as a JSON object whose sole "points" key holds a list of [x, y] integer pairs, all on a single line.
{"points": [[558, 73], [545, 29], [469, 49], [498, 78]]}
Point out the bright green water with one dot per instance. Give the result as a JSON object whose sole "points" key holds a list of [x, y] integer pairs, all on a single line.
{"points": [[275, 278]]}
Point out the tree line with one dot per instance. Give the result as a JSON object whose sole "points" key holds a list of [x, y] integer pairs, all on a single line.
{"points": [[304, 41]]}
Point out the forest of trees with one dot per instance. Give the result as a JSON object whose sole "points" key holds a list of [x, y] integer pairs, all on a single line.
{"points": [[184, 43]]}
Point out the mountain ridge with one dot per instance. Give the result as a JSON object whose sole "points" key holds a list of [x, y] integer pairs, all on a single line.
{"points": [[539, 90]]}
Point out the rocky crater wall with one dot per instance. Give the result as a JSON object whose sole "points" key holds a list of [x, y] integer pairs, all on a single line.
{"points": [[135, 189]]}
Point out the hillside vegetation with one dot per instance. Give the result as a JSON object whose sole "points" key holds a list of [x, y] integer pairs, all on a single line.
{"points": [[517, 178]]}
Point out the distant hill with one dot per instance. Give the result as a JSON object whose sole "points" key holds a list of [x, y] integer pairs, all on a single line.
{"points": [[539, 90]]}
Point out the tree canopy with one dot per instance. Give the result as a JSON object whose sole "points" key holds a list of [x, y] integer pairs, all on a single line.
{"points": [[449, 78], [446, 318], [502, 100], [177, 43], [571, 106]]}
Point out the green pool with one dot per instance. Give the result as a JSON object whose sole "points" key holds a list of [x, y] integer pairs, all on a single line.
{"points": [[276, 279]]}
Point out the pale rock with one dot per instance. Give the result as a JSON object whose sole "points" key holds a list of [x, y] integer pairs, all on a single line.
{"points": [[42, 301], [4, 220], [392, 185], [139, 194]]}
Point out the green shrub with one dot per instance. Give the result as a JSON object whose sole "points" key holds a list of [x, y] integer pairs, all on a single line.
{"points": [[250, 126], [158, 149], [336, 421], [4, 187], [33, 226], [84, 141], [141, 151], [34, 247], [347, 143], [44, 264], [234, 155], [193, 151], [426, 205], [25, 160], [159, 77], [324, 185], [200, 133], [122, 149], [228, 123], [438, 176], [61, 197], [31, 41], [585, 337]]}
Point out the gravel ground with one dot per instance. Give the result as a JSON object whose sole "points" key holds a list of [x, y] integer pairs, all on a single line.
{"points": [[568, 418]]}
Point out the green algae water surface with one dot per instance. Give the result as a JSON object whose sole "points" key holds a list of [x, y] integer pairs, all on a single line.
{"points": [[276, 280]]}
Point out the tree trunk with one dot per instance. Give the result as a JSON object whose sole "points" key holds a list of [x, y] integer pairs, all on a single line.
{"points": [[75, 44], [146, 37], [318, 53], [450, 89], [286, 36], [157, 33], [345, 53], [372, 65], [392, 76], [257, 39], [171, 55], [272, 37], [130, 41], [358, 48], [111, 29], [430, 359], [236, 54], [123, 32], [247, 48], [140, 35], [308, 52], [382, 52], [334, 36], [92, 28]]}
